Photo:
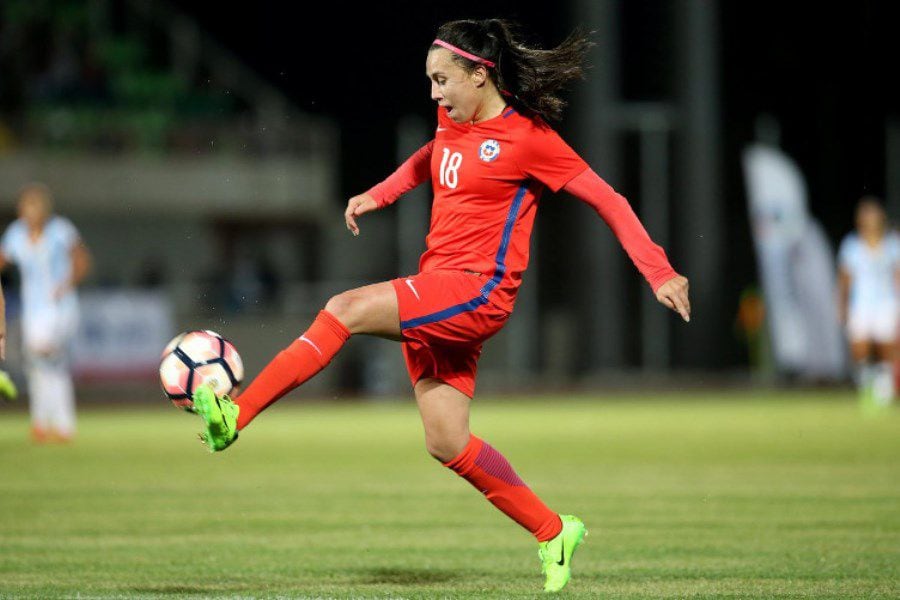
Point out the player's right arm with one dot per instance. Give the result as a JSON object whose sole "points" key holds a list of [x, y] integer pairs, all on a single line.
{"points": [[844, 278], [2, 324], [844, 281], [357, 206], [413, 172], [3, 263]]}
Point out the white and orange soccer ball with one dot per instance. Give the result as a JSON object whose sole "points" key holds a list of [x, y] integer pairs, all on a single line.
{"points": [[196, 358]]}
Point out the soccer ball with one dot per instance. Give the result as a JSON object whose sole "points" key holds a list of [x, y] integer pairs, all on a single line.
{"points": [[196, 358]]}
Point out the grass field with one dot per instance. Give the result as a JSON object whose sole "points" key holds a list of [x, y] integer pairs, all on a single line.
{"points": [[701, 496]]}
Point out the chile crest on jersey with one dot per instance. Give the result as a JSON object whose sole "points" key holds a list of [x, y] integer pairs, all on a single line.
{"points": [[489, 150]]}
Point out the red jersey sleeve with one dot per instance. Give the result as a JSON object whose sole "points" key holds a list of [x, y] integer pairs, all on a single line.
{"points": [[543, 155], [414, 171], [649, 258]]}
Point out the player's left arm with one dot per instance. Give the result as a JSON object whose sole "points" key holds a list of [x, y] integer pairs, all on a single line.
{"points": [[81, 267], [895, 237], [670, 288], [81, 262], [545, 156]]}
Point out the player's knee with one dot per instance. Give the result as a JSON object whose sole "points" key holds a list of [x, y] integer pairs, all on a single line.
{"points": [[443, 448], [337, 305], [438, 451], [348, 307]]}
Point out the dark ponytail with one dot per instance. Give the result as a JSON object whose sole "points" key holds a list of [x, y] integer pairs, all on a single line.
{"points": [[530, 76]]}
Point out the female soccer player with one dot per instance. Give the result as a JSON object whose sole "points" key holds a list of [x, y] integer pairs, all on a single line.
{"points": [[491, 157], [868, 274], [52, 260]]}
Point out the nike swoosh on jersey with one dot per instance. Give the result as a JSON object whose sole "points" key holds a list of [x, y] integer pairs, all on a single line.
{"points": [[440, 129], [410, 284]]}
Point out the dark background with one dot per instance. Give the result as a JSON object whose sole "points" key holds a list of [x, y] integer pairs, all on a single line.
{"points": [[825, 73]]}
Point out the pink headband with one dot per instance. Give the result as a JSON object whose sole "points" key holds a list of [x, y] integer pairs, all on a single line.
{"points": [[463, 53]]}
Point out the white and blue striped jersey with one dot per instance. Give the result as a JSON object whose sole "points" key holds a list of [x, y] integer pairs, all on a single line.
{"points": [[44, 264], [872, 270]]}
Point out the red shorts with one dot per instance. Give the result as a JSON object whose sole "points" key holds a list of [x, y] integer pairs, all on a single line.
{"points": [[445, 318]]}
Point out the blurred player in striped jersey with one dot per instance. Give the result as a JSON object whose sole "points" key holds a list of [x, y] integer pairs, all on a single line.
{"points": [[52, 261], [868, 277], [492, 156]]}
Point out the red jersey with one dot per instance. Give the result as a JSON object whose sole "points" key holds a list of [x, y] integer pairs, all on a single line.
{"points": [[486, 180]]}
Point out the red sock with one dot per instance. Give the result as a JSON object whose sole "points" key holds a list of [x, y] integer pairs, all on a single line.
{"points": [[308, 355], [493, 476]]}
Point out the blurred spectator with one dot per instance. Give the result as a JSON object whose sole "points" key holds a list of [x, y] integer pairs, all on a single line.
{"points": [[52, 261], [868, 272]]}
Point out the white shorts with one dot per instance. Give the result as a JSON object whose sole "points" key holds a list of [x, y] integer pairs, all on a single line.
{"points": [[49, 330], [873, 324]]}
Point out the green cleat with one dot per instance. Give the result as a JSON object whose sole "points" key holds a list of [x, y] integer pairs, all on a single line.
{"points": [[556, 554], [220, 417], [8, 390]]}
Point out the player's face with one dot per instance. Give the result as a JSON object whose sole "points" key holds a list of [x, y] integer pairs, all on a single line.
{"points": [[34, 208], [452, 87], [870, 219]]}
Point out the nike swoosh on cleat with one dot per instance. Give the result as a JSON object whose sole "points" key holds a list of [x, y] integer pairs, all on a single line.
{"points": [[562, 559]]}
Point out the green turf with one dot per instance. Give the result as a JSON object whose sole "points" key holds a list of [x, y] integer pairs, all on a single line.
{"points": [[781, 496]]}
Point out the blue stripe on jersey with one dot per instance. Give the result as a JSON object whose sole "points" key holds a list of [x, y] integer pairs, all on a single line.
{"points": [[509, 112], [499, 271], [445, 314]]}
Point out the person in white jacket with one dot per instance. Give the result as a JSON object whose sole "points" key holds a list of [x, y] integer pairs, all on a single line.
{"points": [[868, 276], [52, 261]]}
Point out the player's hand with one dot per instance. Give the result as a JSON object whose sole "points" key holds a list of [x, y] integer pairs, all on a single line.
{"points": [[674, 294], [3, 342], [358, 205], [61, 290]]}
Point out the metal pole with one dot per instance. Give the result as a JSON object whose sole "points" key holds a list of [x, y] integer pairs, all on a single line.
{"points": [[414, 209], [522, 349], [599, 301], [892, 168], [700, 216], [654, 166]]}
